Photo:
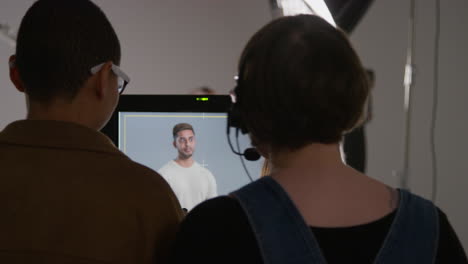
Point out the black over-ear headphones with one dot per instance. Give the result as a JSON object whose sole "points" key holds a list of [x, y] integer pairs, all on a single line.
{"points": [[235, 120]]}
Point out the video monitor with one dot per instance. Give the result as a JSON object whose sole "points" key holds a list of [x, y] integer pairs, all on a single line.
{"points": [[142, 127]]}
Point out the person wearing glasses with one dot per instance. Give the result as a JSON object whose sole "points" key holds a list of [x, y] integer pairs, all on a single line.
{"points": [[192, 182], [67, 194], [301, 87]]}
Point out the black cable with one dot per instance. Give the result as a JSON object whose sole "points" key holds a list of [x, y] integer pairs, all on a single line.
{"points": [[241, 156], [435, 103], [228, 133]]}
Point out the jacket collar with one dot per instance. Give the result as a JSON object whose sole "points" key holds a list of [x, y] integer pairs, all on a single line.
{"points": [[56, 134]]}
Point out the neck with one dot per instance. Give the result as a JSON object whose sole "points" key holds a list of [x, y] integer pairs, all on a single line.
{"points": [[326, 192], [186, 163], [315, 159], [317, 155], [59, 110]]}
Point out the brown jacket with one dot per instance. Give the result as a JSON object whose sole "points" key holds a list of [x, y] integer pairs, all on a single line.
{"points": [[68, 195]]}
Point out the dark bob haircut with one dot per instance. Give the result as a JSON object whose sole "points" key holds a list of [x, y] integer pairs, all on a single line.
{"points": [[58, 43], [300, 82]]}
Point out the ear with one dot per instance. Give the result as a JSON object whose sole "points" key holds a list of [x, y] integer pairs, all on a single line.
{"points": [[103, 80], [174, 144], [14, 74], [262, 149]]}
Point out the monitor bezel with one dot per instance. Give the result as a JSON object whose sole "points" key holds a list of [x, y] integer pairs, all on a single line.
{"points": [[164, 103]]}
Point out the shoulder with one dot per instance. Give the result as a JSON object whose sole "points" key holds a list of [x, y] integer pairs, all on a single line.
{"points": [[168, 166], [450, 249], [145, 185], [211, 212], [153, 182], [213, 219], [140, 173], [169, 171], [202, 169], [215, 229]]}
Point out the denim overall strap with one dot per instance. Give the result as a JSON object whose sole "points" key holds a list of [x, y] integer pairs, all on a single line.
{"points": [[414, 234], [281, 232]]}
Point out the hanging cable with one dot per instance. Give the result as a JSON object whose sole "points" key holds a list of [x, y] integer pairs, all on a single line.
{"points": [[435, 102], [241, 157]]}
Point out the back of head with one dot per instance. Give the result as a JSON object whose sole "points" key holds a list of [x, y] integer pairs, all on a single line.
{"points": [[300, 82], [58, 43]]}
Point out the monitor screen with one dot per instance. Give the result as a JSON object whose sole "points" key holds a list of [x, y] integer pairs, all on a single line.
{"points": [[142, 127]]}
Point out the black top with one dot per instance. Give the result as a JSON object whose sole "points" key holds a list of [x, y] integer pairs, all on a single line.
{"points": [[218, 231]]}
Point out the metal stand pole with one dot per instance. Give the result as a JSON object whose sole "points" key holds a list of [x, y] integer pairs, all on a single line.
{"points": [[408, 84]]}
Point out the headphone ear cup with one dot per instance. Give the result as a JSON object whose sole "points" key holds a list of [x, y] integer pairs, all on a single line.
{"points": [[251, 154]]}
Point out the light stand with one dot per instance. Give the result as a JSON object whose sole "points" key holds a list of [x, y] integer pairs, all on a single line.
{"points": [[295, 7], [408, 84]]}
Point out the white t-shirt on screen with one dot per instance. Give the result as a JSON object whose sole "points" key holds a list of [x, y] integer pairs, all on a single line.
{"points": [[191, 185]]}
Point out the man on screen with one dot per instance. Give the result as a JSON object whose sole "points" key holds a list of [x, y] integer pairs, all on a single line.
{"points": [[191, 182]]}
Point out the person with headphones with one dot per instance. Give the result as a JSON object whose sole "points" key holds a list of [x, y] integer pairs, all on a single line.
{"points": [[301, 87]]}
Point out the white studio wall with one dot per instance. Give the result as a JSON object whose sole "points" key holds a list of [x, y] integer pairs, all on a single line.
{"points": [[381, 41], [168, 47]]}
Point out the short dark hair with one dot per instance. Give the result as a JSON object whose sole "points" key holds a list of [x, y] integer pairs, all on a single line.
{"points": [[58, 43], [180, 127], [300, 82]]}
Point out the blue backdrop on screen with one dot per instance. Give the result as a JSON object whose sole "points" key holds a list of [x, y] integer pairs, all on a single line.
{"points": [[147, 138]]}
